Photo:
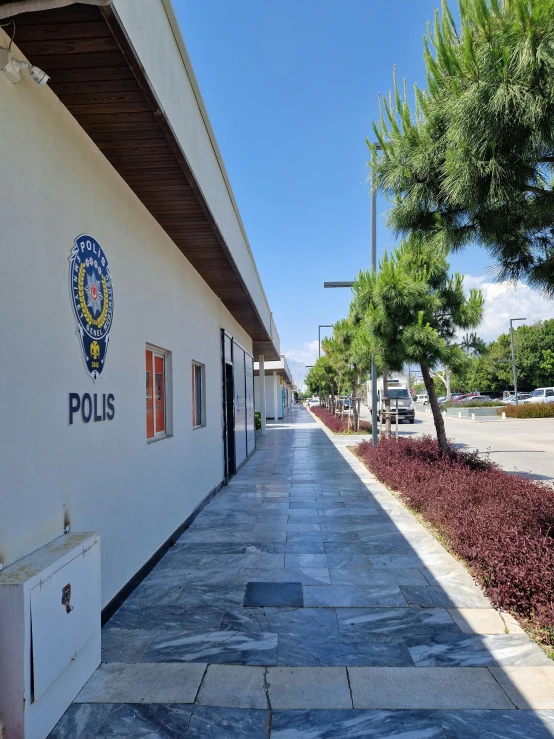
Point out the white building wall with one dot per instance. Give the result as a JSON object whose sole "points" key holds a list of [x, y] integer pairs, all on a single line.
{"points": [[269, 396], [104, 476], [153, 31]]}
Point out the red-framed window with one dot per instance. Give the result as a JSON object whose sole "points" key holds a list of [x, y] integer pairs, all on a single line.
{"points": [[156, 394]]}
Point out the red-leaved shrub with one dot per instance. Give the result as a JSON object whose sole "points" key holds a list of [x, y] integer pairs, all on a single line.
{"points": [[501, 523], [528, 410], [336, 424]]}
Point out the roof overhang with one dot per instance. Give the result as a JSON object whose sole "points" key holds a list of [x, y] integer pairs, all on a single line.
{"points": [[98, 75], [279, 367]]}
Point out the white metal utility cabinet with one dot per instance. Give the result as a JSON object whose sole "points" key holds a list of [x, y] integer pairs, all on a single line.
{"points": [[49, 632]]}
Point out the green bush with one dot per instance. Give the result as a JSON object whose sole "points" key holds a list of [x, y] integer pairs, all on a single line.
{"points": [[528, 410], [472, 404], [257, 420]]}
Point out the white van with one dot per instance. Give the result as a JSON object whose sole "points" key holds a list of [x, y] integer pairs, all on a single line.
{"points": [[541, 395], [399, 398]]}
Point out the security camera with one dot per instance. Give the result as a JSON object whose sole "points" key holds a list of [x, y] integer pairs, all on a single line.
{"points": [[37, 74], [12, 68]]}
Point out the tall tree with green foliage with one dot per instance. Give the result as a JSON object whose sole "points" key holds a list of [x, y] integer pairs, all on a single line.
{"points": [[414, 310], [471, 162], [322, 379], [376, 334]]}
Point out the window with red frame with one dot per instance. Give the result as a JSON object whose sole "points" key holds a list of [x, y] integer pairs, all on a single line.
{"points": [[156, 394]]}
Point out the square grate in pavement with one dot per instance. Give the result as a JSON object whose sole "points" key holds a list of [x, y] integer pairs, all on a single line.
{"points": [[274, 594]]}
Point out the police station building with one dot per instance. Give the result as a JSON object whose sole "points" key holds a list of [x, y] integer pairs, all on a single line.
{"points": [[131, 315]]}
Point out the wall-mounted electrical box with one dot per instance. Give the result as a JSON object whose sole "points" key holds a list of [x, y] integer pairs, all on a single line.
{"points": [[49, 632]]}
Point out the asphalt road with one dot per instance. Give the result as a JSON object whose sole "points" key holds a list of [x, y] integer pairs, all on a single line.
{"points": [[518, 446]]}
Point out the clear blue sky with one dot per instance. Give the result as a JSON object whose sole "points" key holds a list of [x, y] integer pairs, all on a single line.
{"points": [[291, 90]]}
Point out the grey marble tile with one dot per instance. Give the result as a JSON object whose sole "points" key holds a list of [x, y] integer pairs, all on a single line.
{"points": [[228, 723], [209, 596], [389, 545], [208, 576], [307, 648], [498, 724], [322, 620], [81, 721], [351, 596], [299, 547], [345, 547], [348, 562], [305, 560], [159, 588], [303, 575], [218, 647], [181, 558], [376, 576], [245, 619], [409, 560], [169, 618], [460, 598], [117, 682], [476, 650], [397, 622], [356, 724], [322, 536], [147, 721], [418, 595], [206, 547], [125, 645]]}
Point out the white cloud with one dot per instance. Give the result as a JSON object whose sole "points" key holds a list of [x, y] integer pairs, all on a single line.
{"points": [[307, 355], [505, 300]]}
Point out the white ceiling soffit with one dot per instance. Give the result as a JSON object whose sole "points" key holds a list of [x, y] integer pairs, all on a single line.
{"points": [[31, 6]]}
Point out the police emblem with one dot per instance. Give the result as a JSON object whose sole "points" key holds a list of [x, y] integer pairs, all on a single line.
{"points": [[91, 289]]}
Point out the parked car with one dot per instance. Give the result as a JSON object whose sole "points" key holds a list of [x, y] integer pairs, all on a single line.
{"points": [[313, 401], [423, 398], [466, 396], [511, 399], [475, 399], [542, 395]]}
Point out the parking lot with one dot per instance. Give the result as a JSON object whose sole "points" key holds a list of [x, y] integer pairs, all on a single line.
{"points": [[519, 446]]}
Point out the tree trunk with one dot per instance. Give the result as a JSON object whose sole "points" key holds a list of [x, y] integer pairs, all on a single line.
{"points": [[386, 400], [355, 404], [435, 407]]}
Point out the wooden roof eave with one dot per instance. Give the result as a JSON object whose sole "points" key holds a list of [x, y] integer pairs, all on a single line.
{"points": [[16, 7], [97, 74]]}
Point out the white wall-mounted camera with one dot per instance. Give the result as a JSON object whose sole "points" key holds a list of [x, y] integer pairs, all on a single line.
{"points": [[11, 68]]}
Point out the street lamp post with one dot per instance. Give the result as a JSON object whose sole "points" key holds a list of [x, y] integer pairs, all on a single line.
{"points": [[347, 283], [323, 325], [514, 354], [374, 269]]}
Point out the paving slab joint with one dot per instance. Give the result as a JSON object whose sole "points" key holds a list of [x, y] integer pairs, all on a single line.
{"points": [[501, 688], [199, 686], [268, 699], [349, 686]]}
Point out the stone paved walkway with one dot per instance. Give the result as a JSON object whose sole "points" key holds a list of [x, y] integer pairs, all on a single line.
{"points": [[393, 638]]}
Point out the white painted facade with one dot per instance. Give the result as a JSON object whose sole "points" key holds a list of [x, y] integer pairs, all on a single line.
{"points": [[57, 185], [279, 388]]}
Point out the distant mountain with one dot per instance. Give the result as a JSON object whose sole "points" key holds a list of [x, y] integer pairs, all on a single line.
{"points": [[298, 371]]}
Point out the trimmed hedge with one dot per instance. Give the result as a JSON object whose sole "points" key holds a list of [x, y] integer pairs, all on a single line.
{"points": [[472, 404], [336, 424], [528, 410], [501, 524]]}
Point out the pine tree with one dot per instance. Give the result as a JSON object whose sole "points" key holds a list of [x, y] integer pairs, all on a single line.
{"points": [[413, 309], [473, 162]]}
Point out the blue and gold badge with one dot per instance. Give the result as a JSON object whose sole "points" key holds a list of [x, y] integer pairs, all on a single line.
{"points": [[91, 290]]}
